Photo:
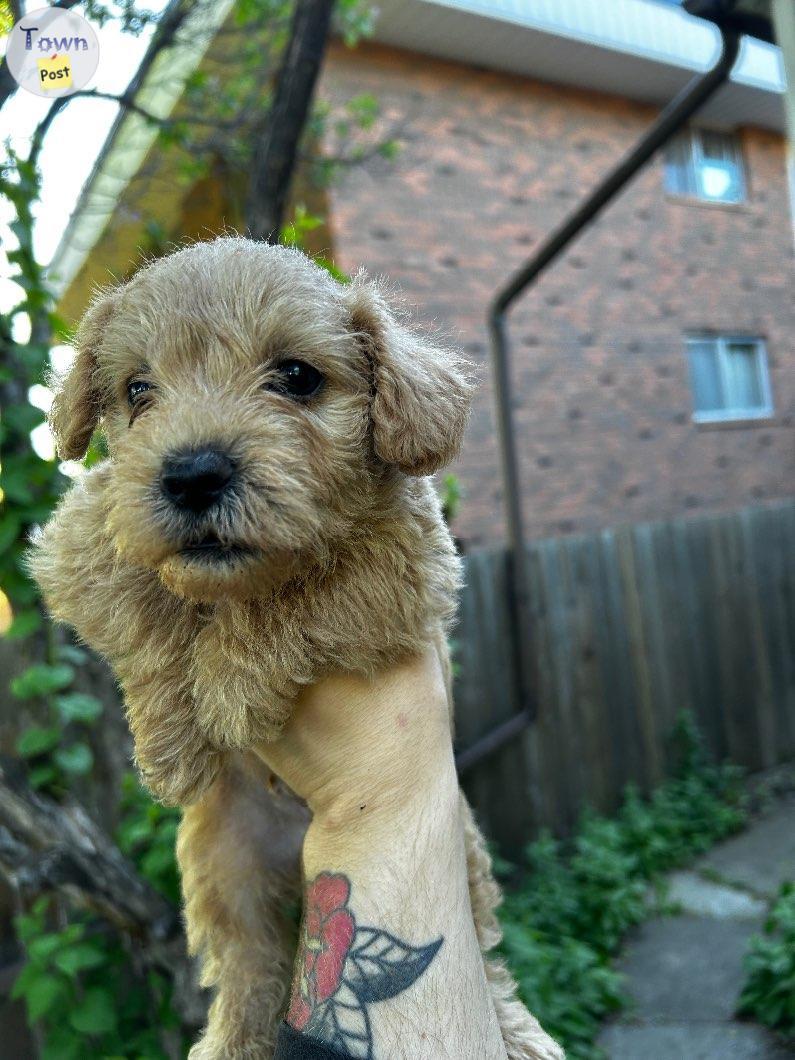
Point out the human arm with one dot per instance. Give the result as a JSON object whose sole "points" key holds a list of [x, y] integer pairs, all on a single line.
{"points": [[388, 962]]}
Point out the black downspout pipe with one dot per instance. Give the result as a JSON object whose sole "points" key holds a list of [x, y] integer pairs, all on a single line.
{"points": [[670, 121]]}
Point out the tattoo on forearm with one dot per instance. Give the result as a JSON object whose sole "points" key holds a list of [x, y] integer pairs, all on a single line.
{"points": [[342, 968]]}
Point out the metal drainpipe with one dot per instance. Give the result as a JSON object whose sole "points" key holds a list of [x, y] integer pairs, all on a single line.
{"points": [[670, 121]]}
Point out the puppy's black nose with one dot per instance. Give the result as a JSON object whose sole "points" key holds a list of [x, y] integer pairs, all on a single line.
{"points": [[195, 480]]}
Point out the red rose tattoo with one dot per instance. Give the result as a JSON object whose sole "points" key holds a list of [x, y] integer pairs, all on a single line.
{"points": [[342, 968], [326, 937]]}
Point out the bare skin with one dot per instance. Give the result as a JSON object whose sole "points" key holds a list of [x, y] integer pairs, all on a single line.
{"points": [[385, 870]]}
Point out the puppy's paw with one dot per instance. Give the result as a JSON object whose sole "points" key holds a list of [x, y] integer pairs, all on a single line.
{"points": [[179, 780], [207, 1049], [541, 1047], [235, 707], [244, 681], [235, 1047], [527, 1039], [237, 713]]}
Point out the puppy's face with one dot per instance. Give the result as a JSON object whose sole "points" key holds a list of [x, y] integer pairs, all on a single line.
{"points": [[254, 410]]}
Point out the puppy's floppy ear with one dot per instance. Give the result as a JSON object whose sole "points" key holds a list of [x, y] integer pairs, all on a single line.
{"points": [[421, 392], [77, 405]]}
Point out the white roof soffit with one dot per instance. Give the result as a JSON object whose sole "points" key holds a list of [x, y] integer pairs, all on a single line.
{"points": [[129, 140], [641, 49]]}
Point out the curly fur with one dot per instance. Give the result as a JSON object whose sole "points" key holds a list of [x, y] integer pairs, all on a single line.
{"points": [[346, 566]]}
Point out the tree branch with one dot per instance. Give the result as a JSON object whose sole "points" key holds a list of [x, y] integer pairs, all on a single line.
{"points": [[124, 100], [49, 847], [280, 132], [45, 845]]}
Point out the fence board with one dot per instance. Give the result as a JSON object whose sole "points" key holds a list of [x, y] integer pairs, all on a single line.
{"points": [[630, 626]]}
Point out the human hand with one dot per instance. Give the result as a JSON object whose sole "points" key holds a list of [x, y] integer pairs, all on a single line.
{"points": [[357, 748]]}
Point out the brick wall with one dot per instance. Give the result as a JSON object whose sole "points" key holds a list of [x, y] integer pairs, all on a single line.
{"points": [[489, 164]]}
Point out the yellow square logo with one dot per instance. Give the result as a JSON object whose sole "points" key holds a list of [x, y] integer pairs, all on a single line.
{"points": [[55, 72]]}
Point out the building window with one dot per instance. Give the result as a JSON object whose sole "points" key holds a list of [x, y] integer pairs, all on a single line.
{"points": [[706, 165], [729, 377]]}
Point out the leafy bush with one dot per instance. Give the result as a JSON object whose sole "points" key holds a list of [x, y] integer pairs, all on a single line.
{"points": [[58, 752], [147, 833], [80, 990], [82, 985], [572, 903], [450, 493], [768, 995]]}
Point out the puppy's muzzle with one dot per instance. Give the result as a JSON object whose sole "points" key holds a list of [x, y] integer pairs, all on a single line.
{"points": [[196, 479]]}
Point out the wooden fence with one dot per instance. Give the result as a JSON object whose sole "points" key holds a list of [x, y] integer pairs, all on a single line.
{"points": [[631, 626]]}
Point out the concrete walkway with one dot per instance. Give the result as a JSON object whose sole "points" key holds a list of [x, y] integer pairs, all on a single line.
{"points": [[684, 972]]}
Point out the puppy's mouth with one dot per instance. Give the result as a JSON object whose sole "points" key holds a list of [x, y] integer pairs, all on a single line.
{"points": [[211, 550]]}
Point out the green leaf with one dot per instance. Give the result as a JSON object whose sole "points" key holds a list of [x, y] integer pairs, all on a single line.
{"points": [[19, 588], [15, 487], [42, 680], [365, 109], [133, 832], [95, 1013], [43, 993], [76, 759], [26, 977], [37, 741], [23, 624], [44, 946], [331, 268], [79, 958], [70, 653], [10, 529], [63, 1044], [42, 777], [158, 860], [23, 418], [389, 150], [78, 706]]}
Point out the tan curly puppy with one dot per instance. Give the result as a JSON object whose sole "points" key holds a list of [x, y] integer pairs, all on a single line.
{"points": [[264, 519]]}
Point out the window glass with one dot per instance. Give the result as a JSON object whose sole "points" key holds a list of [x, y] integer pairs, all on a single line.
{"points": [[743, 385], [717, 146], [679, 170], [705, 376], [718, 180], [705, 164], [729, 378]]}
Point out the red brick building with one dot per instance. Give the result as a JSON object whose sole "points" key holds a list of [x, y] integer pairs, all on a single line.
{"points": [[654, 363], [603, 346]]}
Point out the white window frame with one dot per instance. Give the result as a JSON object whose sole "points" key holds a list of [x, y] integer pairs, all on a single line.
{"points": [[693, 135], [721, 342]]}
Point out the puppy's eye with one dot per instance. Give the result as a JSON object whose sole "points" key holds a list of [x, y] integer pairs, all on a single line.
{"points": [[136, 388], [297, 378], [137, 391]]}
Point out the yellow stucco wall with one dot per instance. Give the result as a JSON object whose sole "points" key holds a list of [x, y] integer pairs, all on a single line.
{"points": [[160, 207]]}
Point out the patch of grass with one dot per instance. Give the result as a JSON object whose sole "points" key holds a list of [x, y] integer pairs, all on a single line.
{"points": [[569, 906], [768, 995]]}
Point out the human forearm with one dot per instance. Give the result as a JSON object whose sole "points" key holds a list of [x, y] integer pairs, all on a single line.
{"points": [[385, 851], [388, 959]]}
